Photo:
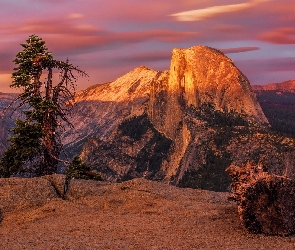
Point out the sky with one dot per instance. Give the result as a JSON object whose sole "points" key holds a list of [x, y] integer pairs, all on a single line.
{"points": [[108, 38]]}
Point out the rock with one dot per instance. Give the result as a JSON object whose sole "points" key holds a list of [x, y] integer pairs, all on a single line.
{"points": [[1, 216], [77, 188], [184, 126], [100, 109], [201, 75], [19, 193], [266, 203]]}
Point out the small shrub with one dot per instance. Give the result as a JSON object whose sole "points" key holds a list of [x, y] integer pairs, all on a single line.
{"points": [[77, 169]]}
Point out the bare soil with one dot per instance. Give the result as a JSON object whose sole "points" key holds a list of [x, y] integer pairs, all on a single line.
{"points": [[137, 214]]}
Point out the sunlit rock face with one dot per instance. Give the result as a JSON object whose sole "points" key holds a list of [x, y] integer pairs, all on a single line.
{"points": [[153, 124], [101, 108], [197, 76], [201, 75]]}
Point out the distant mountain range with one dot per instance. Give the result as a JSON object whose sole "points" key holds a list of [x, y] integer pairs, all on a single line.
{"points": [[287, 86], [278, 103], [183, 126], [6, 121]]}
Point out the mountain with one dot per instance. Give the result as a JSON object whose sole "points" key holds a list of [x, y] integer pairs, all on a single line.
{"points": [[6, 122], [287, 86], [278, 104], [100, 109], [184, 126]]}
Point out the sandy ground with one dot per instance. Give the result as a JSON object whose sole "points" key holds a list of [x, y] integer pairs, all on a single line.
{"points": [[137, 214]]}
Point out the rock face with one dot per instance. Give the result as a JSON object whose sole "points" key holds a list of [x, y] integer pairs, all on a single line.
{"points": [[184, 126], [137, 214], [266, 203], [197, 76], [200, 75]]}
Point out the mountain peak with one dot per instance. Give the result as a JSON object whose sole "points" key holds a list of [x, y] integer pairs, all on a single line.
{"points": [[139, 68], [202, 74], [127, 87]]}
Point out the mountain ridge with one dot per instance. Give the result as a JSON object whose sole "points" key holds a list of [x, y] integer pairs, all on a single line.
{"points": [[184, 126], [285, 86]]}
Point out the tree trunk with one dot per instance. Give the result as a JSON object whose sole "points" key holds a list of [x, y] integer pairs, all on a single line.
{"points": [[266, 203], [51, 149]]}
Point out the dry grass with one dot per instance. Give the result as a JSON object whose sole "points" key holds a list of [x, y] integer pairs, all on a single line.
{"points": [[137, 214]]}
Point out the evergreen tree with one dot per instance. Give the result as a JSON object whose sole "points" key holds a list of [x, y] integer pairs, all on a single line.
{"points": [[36, 146], [77, 169]]}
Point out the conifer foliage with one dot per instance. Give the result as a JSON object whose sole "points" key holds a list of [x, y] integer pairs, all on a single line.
{"points": [[80, 170], [35, 146]]}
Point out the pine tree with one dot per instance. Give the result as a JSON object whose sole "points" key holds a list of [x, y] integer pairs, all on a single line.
{"points": [[35, 146], [77, 169]]}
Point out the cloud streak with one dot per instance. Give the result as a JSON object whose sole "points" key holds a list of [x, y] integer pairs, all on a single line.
{"points": [[108, 38], [148, 57], [73, 36], [202, 14], [238, 50], [282, 35]]}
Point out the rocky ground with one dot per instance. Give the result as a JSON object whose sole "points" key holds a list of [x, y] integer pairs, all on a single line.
{"points": [[137, 214]]}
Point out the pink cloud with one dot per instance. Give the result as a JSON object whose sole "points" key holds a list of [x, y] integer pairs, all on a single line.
{"points": [[70, 34], [283, 35], [6, 64], [209, 12], [54, 26], [75, 16], [139, 11], [148, 57], [104, 32], [238, 50], [228, 28], [169, 36], [64, 35], [266, 65]]}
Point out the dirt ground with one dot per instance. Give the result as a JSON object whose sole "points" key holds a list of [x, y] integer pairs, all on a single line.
{"points": [[137, 214]]}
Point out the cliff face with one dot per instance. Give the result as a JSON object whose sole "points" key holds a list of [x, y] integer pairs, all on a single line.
{"points": [[201, 75], [197, 76], [183, 127]]}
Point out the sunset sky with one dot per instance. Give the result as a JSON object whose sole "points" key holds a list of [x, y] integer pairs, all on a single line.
{"points": [[108, 38]]}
